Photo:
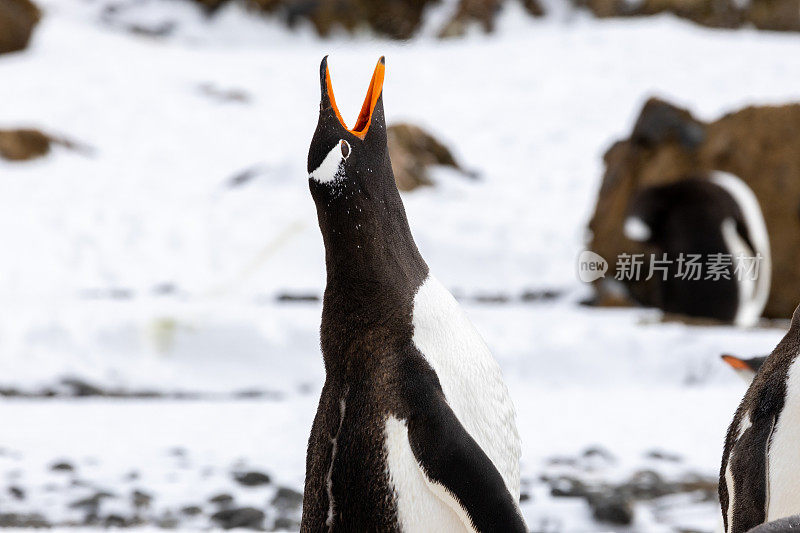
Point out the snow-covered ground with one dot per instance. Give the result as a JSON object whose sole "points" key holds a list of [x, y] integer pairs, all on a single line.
{"points": [[141, 268]]}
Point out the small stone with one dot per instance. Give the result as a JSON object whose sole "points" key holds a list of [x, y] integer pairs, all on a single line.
{"points": [[223, 500], [287, 499], [16, 492], [191, 510], [141, 499], [252, 479], [62, 466], [611, 508], [244, 517]]}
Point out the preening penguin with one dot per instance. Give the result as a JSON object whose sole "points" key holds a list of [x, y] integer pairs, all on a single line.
{"points": [[704, 216], [415, 429], [760, 473]]}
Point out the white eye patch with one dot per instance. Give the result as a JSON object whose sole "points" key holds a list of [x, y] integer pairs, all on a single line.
{"points": [[330, 169]]}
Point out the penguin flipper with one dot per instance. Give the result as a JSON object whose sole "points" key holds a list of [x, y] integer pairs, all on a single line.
{"points": [[460, 472], [748, 460]]}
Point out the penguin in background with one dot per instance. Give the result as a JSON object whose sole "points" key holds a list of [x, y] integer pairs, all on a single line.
{"points": [[745, 368], [760, 471], [415, 429], [712, 214]]}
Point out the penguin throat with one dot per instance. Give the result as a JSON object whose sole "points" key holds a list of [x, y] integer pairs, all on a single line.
{"points": [[369, 248]]}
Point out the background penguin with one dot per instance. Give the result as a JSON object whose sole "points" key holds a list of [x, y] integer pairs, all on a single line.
{"points": [[415, 429], [760, 472], [745, 368], [707, 215]]}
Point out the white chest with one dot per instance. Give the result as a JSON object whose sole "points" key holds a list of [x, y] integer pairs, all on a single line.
{"points": [[784, 453], [470, 377]]}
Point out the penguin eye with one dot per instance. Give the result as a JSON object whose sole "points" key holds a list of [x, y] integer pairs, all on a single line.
{"points": [[345, 146]]}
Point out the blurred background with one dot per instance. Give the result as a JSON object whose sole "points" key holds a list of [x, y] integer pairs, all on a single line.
{"points": [[161, 268]]}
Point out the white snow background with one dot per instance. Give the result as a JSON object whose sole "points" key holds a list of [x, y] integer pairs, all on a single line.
{"points": [[139, 267]]}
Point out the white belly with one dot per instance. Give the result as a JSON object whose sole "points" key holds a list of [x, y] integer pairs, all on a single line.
{"points": [[422, 506], [470, 377], [784, 453]]}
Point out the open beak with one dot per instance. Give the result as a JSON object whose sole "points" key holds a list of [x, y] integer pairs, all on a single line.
{"points": [[735, 362], [373, 94]]}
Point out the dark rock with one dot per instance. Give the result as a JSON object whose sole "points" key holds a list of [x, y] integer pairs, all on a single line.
{"points": [[62, 466], [567, 487], [9, 520], [287, 499], [611, 507], [92, 503], [17, 492], [191, 510], [664, 456], [81, 388], [287, 297], [168, 522], [115, 521], [18, 18], [141, 499], [223, 500], [524, 497], [286, 523], [242, 517], [647, 484], [251, 479], [224, 95]]}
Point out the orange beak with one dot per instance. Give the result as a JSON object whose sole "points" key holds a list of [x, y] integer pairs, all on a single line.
{"points": [[735, 362], [373, 93]]}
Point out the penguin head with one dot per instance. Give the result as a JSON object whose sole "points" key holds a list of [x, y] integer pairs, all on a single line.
{"points": [[745, 368], [349, 162]]}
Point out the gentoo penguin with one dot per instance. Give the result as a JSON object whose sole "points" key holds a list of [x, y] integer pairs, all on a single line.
{"points": [[707, 215], [790, 524], [760, 473], [745, 368], [415, 429]]}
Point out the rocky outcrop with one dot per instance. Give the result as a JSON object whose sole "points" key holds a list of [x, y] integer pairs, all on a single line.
{"points": [[397, 19], [761, 145], [780, 15], [18, 18], [412, 151]]}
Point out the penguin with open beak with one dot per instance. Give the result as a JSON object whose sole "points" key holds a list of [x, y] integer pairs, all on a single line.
{"points": [[415, 429]]}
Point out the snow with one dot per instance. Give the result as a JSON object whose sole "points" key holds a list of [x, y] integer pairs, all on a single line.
{"points": [[139, 266]]}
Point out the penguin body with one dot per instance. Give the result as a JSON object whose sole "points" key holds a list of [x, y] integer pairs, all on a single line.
{"points": [[704, 216], [760, 472], [415, 429]]}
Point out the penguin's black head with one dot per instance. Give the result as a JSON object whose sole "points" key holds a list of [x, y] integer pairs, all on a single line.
{"points": [[349, 162]]}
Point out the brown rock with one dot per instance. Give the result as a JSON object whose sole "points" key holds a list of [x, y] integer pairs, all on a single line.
{"points": [[782, 15], [483, 12], [24, 144], [17, 20], [761, 145], [412, 150]]}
